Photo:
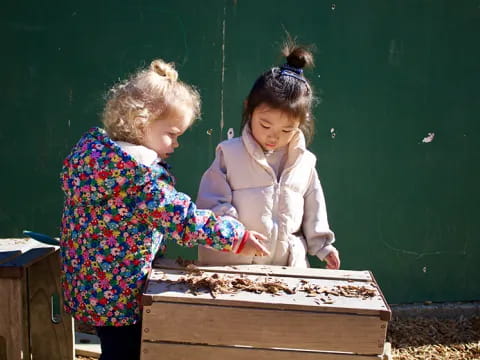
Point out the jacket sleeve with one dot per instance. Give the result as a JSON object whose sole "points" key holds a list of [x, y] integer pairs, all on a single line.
{"points": [[215, 192], [177, 217], [315, 222]]}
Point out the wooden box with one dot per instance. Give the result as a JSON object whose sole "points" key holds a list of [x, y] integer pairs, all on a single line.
{"points": [[32, 322], [321, 319]]}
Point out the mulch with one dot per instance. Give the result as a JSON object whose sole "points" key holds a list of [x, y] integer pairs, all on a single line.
{"points": [[435, 339]]}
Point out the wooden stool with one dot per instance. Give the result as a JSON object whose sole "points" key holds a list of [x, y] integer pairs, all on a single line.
{"points": [[32, 321]]}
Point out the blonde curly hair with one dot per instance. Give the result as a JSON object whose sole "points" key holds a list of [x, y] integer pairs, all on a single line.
{"points": [[149, 95]]}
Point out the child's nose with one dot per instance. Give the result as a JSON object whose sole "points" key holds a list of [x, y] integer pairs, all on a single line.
{"points": [[273, 135]]}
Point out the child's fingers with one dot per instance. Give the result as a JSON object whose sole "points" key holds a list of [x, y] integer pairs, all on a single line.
{"points": [[333, 261], [256, 241], [332, 266], [258, 235], [261, 250], [254, 245]]}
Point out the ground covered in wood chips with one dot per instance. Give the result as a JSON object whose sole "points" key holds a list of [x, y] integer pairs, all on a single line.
{"points": [[428, 339], [435, 339]]}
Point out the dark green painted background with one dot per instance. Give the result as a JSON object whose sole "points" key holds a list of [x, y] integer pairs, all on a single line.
{"points": [[389, 73]]}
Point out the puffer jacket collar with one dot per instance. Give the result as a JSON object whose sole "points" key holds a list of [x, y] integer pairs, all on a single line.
{"points": [[296, 148]]}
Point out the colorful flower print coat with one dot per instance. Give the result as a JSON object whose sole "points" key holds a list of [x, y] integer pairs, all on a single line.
{"points": [[117, 214]]}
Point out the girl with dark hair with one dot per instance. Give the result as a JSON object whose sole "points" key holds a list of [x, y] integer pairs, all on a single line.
{"points": [[267, 178]]}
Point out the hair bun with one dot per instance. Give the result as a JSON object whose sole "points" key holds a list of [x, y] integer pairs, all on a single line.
{"points": [[164, 69], [298, 56]]}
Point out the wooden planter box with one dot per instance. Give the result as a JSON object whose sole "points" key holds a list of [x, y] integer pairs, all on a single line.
{"points": [[178, 324], [32, 322]]}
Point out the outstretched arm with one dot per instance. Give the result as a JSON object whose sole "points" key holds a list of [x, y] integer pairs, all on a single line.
{"points": [[177, 217]]}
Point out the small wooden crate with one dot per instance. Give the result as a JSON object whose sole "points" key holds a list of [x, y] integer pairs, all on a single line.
{"points": [[32, 322], [178, 324]]}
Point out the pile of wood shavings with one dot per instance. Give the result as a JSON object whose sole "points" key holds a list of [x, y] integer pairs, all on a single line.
{"points": [[216, 283], [435, 339], [362, 292]]}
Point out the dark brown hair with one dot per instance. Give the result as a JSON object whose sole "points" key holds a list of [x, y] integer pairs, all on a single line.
{"points": [[286, 89]]}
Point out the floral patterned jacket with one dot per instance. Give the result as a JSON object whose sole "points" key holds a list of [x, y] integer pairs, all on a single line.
{"points": [[117, 214]]}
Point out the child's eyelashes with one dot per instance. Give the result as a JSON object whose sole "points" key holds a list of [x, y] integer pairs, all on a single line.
{"points": [[267, 127]]}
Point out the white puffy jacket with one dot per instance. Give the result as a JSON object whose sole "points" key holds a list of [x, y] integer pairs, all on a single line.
{"points": [[290, 211]]}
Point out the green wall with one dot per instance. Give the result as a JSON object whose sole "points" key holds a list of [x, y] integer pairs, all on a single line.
{"points": [[388, 73]]}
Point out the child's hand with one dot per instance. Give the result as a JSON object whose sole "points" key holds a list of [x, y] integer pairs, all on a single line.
{"points": [[254, 245], [333, 260]]}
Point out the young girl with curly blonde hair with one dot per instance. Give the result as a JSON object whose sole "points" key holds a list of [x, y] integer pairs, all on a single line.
{"points": [[121, 206]]}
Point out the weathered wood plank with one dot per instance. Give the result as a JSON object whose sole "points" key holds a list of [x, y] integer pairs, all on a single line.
{"points": [[51, 339], [265, 328], [160, 288], [14, 319], [176, 351], [306, 273], [14, 267], [6, 256]]}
